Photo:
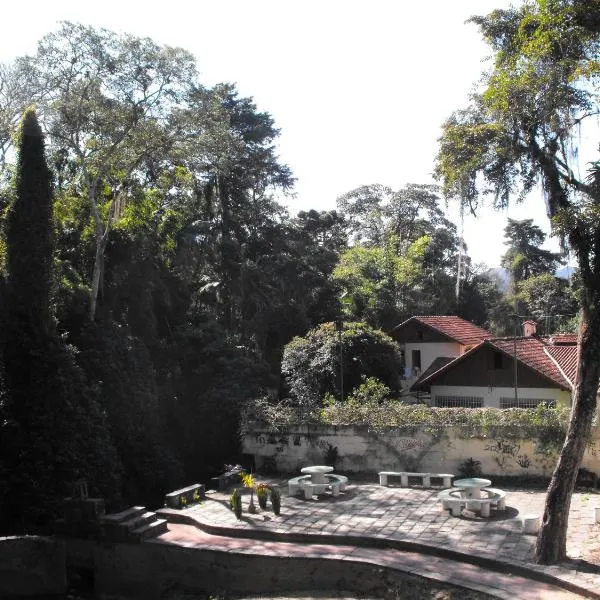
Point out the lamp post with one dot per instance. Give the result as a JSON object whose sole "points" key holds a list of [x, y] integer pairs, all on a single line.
{"points": [[339, 326]]}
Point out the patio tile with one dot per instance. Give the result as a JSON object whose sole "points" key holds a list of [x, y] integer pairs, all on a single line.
{"points": [[413, 514]]}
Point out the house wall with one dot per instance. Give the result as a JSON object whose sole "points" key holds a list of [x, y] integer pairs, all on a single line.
{"points": [[430, 351], [478, 369], [491, 395], [367, 452]]}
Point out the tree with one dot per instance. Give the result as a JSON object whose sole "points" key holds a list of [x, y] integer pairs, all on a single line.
{"points": [[29, 234], [382, 286], [522, 129], [482, 302], [373, 212], [311, 364], [53, 431], [550, 299], [105, 100], [524, 258], [404, 256]]}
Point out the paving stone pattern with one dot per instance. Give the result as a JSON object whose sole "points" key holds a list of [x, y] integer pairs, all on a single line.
{"points": [[413, 514]]}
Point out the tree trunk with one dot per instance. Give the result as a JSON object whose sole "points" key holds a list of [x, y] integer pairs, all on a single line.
{"points": [[551, 545], [97, 274], [101, 235]]}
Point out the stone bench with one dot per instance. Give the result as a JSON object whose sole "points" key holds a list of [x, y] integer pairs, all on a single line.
{"points": [[425, 478], [456, 503], [303, 483], [223, 481], [341, 480], [172, 499], [297, 483], [498, 497]]}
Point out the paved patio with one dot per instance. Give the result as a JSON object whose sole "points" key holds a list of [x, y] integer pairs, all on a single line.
{"points": [[412, 516]]}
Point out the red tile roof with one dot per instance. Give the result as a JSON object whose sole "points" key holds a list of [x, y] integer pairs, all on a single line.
{"points": [[563, 338], [453, 327], [531, 351], [566, 359], [556, 363]]}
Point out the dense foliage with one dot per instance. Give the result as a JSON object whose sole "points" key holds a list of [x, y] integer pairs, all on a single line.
{"points": [[544, 421], [317, 364], [524, 127], [53, 430], [150, 280]]}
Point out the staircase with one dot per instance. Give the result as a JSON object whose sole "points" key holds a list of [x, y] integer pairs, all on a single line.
{"points": [[134, 524]]}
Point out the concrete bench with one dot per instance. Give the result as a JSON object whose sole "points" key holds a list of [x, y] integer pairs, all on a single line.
{"points": [[452, 502], [223, 481], [498, 497], [340, 480], [173, 499], [455, 503], [425, 478], [297, 483], [303, 483]]}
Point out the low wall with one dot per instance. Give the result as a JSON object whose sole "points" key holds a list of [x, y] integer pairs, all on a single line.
{"points": [[36, 567], [158, 570], [32, 566], [362, 451]]}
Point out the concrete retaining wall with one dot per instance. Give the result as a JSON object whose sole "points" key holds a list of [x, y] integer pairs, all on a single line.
{"points": [[362, 451], [32, 565], [158, 570]]}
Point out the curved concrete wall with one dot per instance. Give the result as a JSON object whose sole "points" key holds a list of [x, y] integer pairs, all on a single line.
{"points": [[31, 566], [159, 570]]}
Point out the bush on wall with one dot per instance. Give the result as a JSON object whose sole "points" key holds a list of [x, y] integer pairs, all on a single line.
{"points": [[544, 423]]}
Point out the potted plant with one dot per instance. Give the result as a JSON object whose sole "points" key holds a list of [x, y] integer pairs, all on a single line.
{"points": [[262, 493], [275, 500], [248, 482], [235, 502]]}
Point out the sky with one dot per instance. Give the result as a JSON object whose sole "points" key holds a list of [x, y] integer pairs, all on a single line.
{"points": [[359, 89]]}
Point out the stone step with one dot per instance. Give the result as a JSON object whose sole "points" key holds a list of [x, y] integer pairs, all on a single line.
{"points": [[124, 515], [150, 530], [138, 521]]}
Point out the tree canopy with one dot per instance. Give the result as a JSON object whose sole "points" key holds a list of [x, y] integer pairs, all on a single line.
{"points": [[312, 363], [524, 258], [522, 128]]}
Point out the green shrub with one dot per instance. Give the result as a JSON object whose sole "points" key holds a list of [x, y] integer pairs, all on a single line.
{"points": [[470, 467], [545, 424], [235, 503], [275, 500]]}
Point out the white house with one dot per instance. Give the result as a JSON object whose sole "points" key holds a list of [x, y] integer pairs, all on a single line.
{"points": [[485, 375], [428, 341]]}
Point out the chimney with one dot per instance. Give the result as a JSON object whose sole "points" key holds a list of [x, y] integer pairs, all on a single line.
{"points": [[529, 328]]}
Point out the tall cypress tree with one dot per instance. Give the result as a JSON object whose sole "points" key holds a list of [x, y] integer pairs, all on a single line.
{"points": [[29, 232], [53, 431]]}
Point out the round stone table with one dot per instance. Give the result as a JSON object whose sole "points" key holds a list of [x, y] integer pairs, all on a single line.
{"points": [[317, 473], [472, 486]]}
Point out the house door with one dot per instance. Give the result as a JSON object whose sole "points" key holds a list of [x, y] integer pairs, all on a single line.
{"points": [[416, 361]]}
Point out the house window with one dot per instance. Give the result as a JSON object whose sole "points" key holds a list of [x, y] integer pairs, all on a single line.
{"points": [[416, 359], [419, 335], [524, 402], [497, 360], [459, 401]]}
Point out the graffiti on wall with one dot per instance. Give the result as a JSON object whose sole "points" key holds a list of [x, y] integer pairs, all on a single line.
{"points": [[408, 444], [503, 451]]}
